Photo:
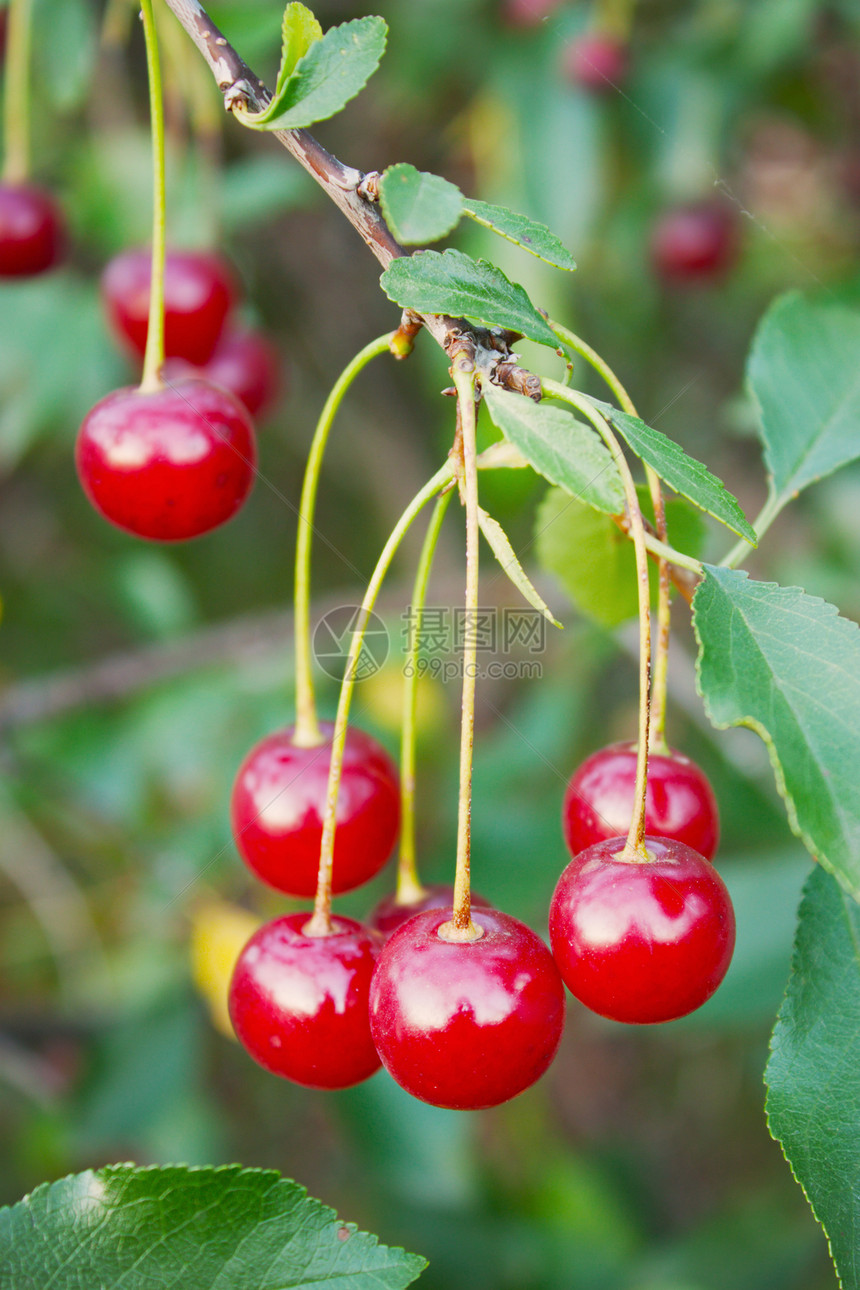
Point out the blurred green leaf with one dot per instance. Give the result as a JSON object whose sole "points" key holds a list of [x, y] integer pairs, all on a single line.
{"points": [[594, 561], [449, 282], [64, 52], [57, 316], [802, 372], [418, 207], [527, 233], [786, 665], [813, 1076], [562, 449], [680, 471], [332, 72], [189, 1229]]}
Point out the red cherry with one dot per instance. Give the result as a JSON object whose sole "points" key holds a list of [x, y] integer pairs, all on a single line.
{"points": [[278, 805], [389, 915], [32, 234], [527, 13], [244, 362], [198, 295], [641, 941], [679, 802], [170, 464], [695, 243], [596, 62], [298, 1003], [466, 1024]]}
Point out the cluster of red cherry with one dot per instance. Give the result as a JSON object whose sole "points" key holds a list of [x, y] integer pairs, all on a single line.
{"points": [[176, 460], [468, 1023]]}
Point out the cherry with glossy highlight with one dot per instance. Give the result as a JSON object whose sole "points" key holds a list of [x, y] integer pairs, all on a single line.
{"points": [[278, 806], [679, 802], [167, 464], [641, 941], [466, 1024], [299, 1003]]}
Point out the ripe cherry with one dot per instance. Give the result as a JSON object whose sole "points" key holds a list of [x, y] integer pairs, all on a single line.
{"points": [[469, 1024], [641, 941], [243, 362], [299, 1003], [169, 464], [278, 805], [695, 243], [596, 62], [32, 235], [389, 915], [679, 803], [198, 295]]}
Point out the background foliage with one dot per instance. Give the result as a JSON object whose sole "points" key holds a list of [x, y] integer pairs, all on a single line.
{"points": [[642, 1159]]}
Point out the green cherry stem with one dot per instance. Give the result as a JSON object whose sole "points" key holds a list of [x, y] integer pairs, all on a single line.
{"points": [[634, 848], [766, 516], [664, 597], [409, 888], [153, 358], [320, 922], [307, 731], [461, 927], [16, 94]]}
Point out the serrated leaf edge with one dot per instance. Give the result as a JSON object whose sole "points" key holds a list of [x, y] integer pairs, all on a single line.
{"points": [[392, 224], [793, 970], [485, 223], [237, 1171], [750, 723]]}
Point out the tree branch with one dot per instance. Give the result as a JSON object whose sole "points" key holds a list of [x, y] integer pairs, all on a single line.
{"points": [[348, 189]]}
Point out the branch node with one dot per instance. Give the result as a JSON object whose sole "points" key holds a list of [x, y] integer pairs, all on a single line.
{"points": [[238, 94], [368, 186], [403, 341], [510, 376]]}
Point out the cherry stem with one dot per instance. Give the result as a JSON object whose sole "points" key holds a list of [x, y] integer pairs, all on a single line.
{"points": [[659, 683], [766, 516], [153, 358], [320, 922], [307, 732], [16, 93], [461, 927], [409, 888], [634, 848]]}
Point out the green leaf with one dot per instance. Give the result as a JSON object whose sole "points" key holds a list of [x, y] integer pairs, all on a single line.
{"points": [[418, 207], [506, 556], [179, 1228], [449, 282], [786, 665], [331, 73], [559, 447], [813, 1075], [299, 31], [804, 376], [682, 473], [592, 558], [525, 232]]}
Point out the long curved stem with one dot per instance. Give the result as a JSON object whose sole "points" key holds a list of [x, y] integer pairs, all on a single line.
{"points": [[153, 358], [307, 732], [634, 848], [320, 922], [762, 522], [409, 888], [16, 93], [460, 927], [664, 596]]}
